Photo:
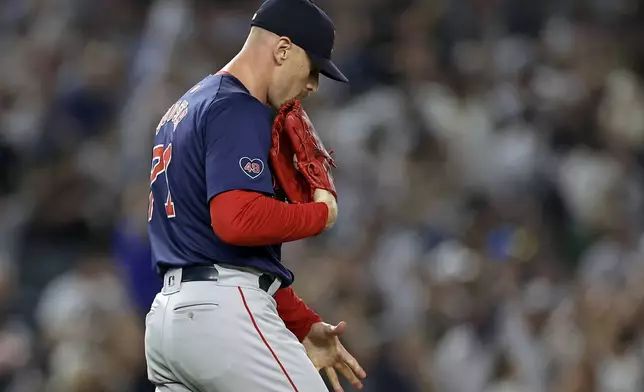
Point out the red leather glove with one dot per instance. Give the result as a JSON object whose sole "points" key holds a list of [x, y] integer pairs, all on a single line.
{"points": [[299, 161]]}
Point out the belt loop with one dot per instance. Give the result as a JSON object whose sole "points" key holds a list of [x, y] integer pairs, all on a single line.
{"points": [[172, 281], [277, 283]]}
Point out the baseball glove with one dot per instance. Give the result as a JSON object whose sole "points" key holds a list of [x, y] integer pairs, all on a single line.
{"points": [[299, 161]]}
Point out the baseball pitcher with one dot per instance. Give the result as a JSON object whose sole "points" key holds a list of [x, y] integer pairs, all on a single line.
{"points": [[237, 170]]}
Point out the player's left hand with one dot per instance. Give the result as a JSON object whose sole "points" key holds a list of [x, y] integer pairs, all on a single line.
{"points": [[326, 352]]}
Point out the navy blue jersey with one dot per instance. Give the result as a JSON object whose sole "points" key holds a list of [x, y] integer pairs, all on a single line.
{"points": [[214, 139]]}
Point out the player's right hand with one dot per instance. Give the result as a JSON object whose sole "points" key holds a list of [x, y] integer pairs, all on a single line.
{"points": [[326, 197]]}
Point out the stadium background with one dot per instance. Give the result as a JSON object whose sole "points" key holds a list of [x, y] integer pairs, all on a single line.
{"points": [[490, 176]]}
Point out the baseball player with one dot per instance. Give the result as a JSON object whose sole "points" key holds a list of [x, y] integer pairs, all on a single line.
{"points": [[237, 170]]}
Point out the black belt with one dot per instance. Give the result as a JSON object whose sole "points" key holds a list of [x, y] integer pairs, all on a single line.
{"points": [[201, 273]]}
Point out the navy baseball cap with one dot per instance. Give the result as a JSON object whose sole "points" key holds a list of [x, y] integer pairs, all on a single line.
{"points": [[307, 26]]}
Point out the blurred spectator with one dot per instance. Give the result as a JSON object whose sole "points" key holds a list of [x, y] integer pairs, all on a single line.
{"points": [[18, 364], [505, 377], [132, 252], [90, 330]]}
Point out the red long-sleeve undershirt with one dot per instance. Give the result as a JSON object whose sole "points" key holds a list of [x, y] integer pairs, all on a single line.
{"points": [[252, 219], [297, 317]]}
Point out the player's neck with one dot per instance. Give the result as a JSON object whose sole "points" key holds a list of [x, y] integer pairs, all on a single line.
{"points": [[250, 73]]}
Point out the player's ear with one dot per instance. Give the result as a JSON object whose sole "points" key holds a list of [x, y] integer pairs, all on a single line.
{"points": [[282, 49]]}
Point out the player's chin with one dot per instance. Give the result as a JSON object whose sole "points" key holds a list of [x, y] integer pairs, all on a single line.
{"points": [[278, 104], [281, 104], [298, 97]]}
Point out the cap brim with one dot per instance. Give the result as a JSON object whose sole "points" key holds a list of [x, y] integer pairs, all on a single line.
{"points": [[328, 69]]}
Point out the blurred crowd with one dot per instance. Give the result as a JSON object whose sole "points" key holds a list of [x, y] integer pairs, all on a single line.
{"points": [[490, 186]]}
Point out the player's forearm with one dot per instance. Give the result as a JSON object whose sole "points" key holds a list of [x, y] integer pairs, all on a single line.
{"points": [[297, 316], [253, 219]]}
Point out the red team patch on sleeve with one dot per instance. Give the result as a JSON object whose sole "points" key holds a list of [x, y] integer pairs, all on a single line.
{"points": [[251, 167]]}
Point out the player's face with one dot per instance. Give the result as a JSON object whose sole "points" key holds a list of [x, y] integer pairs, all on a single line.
{"points": [[295, 77]]}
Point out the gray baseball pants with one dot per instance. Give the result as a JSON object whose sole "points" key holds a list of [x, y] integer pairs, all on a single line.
{"points": [[223, 336]]}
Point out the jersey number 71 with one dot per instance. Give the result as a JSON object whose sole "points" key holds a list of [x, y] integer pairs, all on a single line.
{"points": [[161, 155], [161, 158]]}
